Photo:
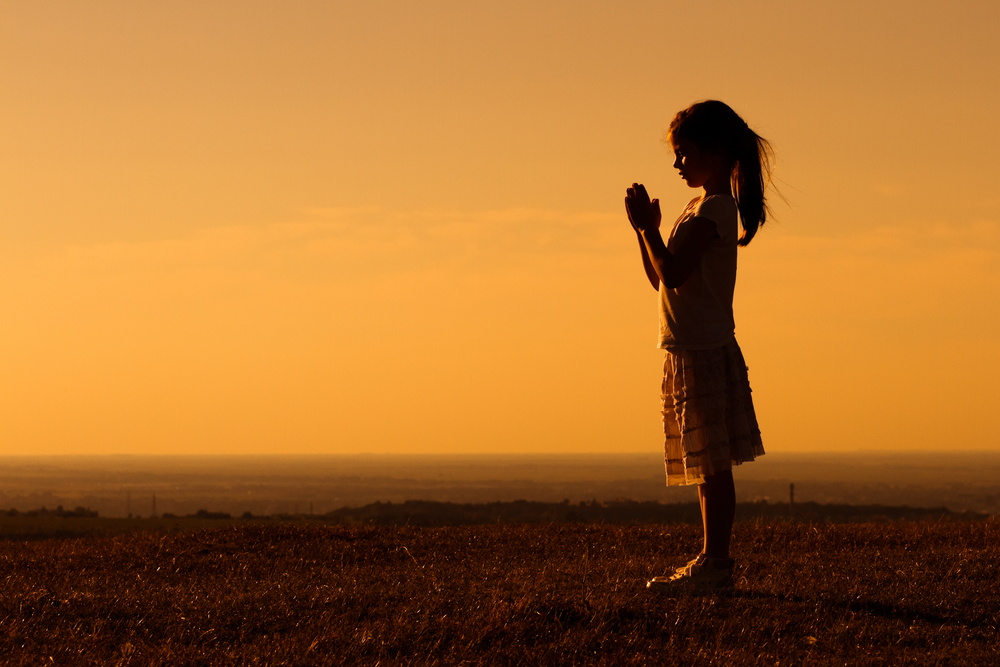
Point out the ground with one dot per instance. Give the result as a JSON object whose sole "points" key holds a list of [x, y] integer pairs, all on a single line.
{"points": [[546, 594]]}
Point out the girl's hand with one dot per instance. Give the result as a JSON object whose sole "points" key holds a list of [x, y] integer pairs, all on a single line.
{"points": [[642, 213]]}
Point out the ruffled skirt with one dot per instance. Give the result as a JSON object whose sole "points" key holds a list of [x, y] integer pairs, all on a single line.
{"points": [[708, 416]]}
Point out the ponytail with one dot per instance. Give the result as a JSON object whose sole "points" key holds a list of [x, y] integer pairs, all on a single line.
{"points": [[714, 126], [751, 176]]}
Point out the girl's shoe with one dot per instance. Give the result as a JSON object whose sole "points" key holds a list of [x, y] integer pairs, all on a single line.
{"points": [[684, 568], [702, 575]]}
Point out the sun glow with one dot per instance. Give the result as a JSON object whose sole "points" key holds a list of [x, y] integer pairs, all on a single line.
{"points": [[244, 228]]}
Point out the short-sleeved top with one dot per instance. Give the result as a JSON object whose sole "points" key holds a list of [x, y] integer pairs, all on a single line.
{"points": [[698, 315]]}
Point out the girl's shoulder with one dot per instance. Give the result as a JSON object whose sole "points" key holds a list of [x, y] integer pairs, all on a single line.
{"points": [[721, 210], [716, 207]]}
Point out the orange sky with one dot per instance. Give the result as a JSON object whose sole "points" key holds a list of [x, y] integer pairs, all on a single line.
{"points": [[319, 227]]}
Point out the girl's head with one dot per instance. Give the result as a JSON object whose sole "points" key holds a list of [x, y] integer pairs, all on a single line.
{"points": [[721, 136]]}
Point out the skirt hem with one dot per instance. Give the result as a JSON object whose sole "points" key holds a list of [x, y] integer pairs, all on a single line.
{"points": [[708, 416]]}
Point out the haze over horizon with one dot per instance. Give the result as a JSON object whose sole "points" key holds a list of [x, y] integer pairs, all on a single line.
{"points": [[335, 228], [266, 485]]}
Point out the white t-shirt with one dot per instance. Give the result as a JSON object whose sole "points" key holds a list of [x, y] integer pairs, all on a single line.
{"points": [[698, 315]]}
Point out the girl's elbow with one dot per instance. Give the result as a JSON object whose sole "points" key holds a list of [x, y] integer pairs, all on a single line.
{"points": [[673, 282], [675, 276]]}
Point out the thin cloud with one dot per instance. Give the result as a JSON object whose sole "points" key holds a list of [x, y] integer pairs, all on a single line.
{"points": [[363, 241]]}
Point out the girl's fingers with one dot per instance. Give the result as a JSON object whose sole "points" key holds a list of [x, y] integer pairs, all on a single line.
{"points": [[641, 211]]}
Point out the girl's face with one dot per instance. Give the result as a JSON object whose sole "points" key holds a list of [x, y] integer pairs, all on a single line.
{"points": [[697, 167]]}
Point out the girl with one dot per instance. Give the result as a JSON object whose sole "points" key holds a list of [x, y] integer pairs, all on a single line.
{"points": [[708, 416]]}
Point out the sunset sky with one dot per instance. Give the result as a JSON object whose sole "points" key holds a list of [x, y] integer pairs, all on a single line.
{"points": [[397, 227]]}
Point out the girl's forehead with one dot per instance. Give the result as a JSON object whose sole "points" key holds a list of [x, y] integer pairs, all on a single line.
{"points": [[682, 145]]}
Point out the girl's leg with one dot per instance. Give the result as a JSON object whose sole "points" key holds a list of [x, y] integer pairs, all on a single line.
{"points": [[718, 507], [717, 496]]}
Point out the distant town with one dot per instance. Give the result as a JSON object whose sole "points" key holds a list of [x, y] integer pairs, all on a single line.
{"points": [[122, 486]]}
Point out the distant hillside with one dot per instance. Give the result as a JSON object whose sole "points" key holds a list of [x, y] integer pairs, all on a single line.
{"points": [[429, 513], [59, 523]]}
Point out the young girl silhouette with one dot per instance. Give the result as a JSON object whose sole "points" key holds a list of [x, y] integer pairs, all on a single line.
{"points": [[708, 416]]}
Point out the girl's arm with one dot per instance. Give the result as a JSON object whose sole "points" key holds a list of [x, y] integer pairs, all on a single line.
{"points": [[672, 269], [647, 265]]}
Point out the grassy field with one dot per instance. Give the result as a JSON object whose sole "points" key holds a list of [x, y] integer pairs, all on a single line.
{"points": [[921, 593]]}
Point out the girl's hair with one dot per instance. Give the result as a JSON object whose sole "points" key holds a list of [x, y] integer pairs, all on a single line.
{"points": [[714, 126]]}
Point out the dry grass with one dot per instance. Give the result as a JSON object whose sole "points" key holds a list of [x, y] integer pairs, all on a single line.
{"points": [[810, 594]]}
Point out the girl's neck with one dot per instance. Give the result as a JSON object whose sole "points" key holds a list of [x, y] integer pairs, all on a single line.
{"points": [[718, 185]]}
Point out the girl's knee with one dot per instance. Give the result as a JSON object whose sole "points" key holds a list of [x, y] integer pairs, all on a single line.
{"points": [[722, 477]]}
